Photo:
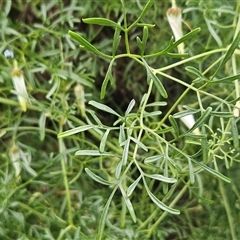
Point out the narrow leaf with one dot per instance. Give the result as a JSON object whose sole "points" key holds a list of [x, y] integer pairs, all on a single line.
{"points": [[212, 171], [96, 177], [196, 72], [174, 124], [118, 169], [130, 107], [103, 107], [155, 80], [140, 144], [108, 77], [125, 151], [235, 134], [226, 79], [229, 53], [128, 204], [93, 153], [132, 187], [103, 141], [161, 178], [191, 171], [159, 203], [75, 130], [153, 159], [87, 45], [102, 22], [116, 40], [200, 121]]}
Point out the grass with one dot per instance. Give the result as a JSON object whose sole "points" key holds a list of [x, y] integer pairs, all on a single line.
{"points": [[99, 150]]}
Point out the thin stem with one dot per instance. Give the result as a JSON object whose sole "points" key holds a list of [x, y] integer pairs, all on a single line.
{"points": [[65, 179]]}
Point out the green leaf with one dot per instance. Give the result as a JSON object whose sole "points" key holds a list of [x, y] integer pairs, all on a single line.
{"points": [[235, 133], [196, 72], [75, 131], [204, 145], [122, 135], [212, 171], [191, 171], [102, 22], [42, 127], [130, 107], [87, 45], [222, 114], [226, 79], [159, 203], [157, 104], [200, 121], [153, 159], [161, 178], [118, 169], [229, 53], [132, 187], [116, 40], [140, 144], [125, 151], [96, 177], [174, 124], [93, 153], [144, 11], [108, 77], [103, 141], [103, 218], [128, 204], [140, 45], [103, 107], [155, 80]]}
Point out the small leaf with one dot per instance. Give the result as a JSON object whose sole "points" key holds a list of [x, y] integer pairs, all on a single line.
{"points": [[159, 203], [102, 22], [191, 171], [42, 127], [75, 130], [174, 124], [229, 53], [116, 40], [157, 104], [153, 159], [128, 204], [97, 178], [161, 178], [222, 114], [87, 45], [226, 79], [108, 77], [155, 80], [235, 133], [170, 192], [118, 169], [196, 72], [132, 187], [103, 141], [93, 153], [140, 144], [212, 171], [200, 121], [125, 151], [130, 107], [122, 135], [103, 107], [140, 45]]}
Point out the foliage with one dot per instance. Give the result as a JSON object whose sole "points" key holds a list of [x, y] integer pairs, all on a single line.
{"points": [[99, 151]]}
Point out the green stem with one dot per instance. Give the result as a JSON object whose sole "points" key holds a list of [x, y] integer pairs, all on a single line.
{"points": [[65, 179]]}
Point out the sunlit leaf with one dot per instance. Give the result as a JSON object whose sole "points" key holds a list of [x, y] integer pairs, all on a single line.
{"points": [[103, 107], [97, 178], [75, 131], [212, 171], [161, 178]]}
